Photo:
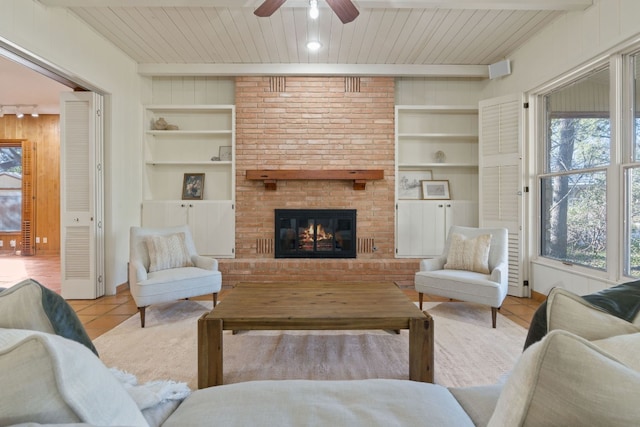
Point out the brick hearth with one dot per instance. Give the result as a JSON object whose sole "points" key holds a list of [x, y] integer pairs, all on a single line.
{"points": [[315, 123]]}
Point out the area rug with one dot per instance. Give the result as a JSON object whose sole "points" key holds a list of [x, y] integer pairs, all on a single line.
{"points": [[468, 351]]}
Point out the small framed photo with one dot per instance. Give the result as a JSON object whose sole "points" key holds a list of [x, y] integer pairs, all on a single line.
{"points": [[225, 153], [409, 186], [193, 186], [435, 190]]}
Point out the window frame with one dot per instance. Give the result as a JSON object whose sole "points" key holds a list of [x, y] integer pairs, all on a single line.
{"points": [[621, 116]]}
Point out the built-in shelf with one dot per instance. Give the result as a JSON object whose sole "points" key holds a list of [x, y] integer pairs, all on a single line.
{"points": [[359, 177]]}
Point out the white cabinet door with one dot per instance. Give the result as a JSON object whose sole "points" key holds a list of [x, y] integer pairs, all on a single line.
{"points": [[164, 213], [212, 223], [420, 229], [463, 213], [422, 226], [213, 227]]}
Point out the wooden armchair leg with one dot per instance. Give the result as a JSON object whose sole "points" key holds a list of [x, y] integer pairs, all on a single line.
{"points": [[420, 298], [215, 299], [141, 310], [494, 315]]}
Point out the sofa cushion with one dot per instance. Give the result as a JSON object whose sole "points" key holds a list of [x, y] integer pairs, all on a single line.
{"points": [[471, 254], [50, 379], [478, 402], [571, 312], [167, 251], [29, 305], [367, 403], [566, 380]]}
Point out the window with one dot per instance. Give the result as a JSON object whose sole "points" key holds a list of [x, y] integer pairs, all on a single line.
{"points": [[632, 176], [10, 188], [574, 182]]}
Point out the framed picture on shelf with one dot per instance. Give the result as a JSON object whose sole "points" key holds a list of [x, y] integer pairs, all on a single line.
{"points": [[435, 190], [193, 186], [225, 153], [409, 183]]}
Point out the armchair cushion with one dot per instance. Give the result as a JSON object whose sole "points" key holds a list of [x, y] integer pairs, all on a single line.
{"points": [[567, 380], [471, 254], [167, 251]]}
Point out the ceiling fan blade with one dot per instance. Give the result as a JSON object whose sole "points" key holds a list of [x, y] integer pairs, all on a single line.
{"points": [[345, 10], [268, 7]]}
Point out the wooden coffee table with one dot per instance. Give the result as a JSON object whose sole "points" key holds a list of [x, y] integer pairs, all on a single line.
{"points": [[314, 306]]}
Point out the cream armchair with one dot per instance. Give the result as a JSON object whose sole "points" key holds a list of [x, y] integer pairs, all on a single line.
{"points": [[472, 268], [164, 266]]}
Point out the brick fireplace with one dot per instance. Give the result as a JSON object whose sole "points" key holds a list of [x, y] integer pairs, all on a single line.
{"points": [[315, 123]]}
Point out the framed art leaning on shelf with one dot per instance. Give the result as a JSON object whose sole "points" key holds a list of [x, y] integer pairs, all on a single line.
{"points": [[409, 183], [435, 190], [193, 186]]}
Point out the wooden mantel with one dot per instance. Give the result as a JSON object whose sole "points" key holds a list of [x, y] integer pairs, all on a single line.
{"points": [[359, 177]]}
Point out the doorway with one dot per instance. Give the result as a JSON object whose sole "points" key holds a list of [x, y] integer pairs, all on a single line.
{"points": [[27, 82]]}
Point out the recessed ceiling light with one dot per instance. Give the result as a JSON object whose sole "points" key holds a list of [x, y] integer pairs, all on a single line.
{"points": [[314, 45]]}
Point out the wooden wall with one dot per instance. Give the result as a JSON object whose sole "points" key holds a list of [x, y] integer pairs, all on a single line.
{"points": [[44, 132]]}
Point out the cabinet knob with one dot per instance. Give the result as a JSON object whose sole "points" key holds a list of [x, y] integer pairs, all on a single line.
{"points": [[440, 206]]}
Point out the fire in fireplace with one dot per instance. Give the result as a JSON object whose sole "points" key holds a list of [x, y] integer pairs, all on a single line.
{"points": [[315, 233]]}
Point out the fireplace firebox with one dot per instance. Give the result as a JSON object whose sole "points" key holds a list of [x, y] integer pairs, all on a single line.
{"points": [[315, 233]]}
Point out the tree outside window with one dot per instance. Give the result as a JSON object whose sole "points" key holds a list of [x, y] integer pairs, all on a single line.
{"points": [[574, 185]]}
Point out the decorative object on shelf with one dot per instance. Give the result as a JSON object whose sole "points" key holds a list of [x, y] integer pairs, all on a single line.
{"points": [[439, 156], [215, 159], [225, 153], [161, 124], [193, 186], [409, 183], [435, 190]]}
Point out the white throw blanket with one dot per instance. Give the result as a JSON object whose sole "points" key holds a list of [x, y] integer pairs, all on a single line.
{"points": [[156, 399]]}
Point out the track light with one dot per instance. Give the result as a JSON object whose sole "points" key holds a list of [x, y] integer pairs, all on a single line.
{"points": [[19, 110], [313, 9]]}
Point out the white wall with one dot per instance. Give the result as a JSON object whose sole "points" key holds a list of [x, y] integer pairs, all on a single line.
{"points": [[58, 37], [572, 41]]}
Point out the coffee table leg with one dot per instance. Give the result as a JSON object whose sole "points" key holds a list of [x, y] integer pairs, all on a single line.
{"points": [[209, 352], [421, 349]]}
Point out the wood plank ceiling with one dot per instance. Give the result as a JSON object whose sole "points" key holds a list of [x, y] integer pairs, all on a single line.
{"points": [[410, 32]]}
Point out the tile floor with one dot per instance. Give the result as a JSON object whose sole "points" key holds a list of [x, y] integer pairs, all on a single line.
{"points": [[101, 315]]}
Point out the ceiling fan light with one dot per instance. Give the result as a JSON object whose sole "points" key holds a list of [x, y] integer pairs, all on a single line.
{"points": [[34, 111], [313, 9], [19, 113], [314, 45]]}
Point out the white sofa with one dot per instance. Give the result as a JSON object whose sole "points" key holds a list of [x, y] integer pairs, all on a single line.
{"points": [[563, 379]]}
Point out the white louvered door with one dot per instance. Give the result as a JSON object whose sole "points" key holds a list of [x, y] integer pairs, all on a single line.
{"points": [[501, 178], [81, 184]]}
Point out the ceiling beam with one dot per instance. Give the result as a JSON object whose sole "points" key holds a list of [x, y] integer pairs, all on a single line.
{"points": [[566, 5], [395, 70]]}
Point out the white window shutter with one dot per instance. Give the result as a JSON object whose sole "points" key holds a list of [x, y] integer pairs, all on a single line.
{"points": [[501, 178]]}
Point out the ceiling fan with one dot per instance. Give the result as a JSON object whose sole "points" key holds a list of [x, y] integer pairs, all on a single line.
{"points": [[345, 9]]}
